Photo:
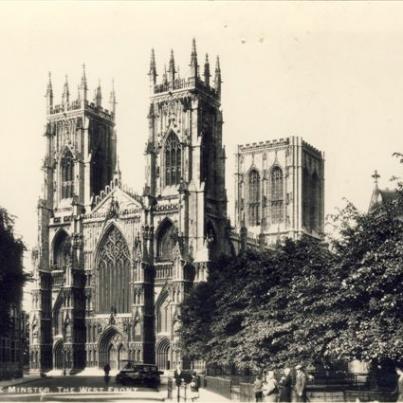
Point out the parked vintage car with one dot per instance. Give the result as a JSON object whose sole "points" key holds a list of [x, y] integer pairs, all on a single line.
{"points": [[139, 374]]}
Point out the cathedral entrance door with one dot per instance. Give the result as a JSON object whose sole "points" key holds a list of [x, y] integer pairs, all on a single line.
{"points": [[122, 356], [112, 356], [163, 359], [112, 348], [58, 355]]}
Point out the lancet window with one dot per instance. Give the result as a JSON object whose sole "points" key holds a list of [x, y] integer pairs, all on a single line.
{"points": [[172, 160], [67, 170], [277, 195], [254, 197]]}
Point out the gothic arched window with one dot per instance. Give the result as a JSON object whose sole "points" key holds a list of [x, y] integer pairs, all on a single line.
{"points": [[67, 168], [113, 265], [277, 196], [314, 206], [172, 153], [254, 197], [166, 239], [61, 251], [163, 317]]}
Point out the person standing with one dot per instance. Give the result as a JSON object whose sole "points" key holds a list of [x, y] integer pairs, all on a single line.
{"points": [[178, 375], [284, 386], [258, 388], [107, 369], [399, 386], [194, 387], [299, 387], [270, 389]]}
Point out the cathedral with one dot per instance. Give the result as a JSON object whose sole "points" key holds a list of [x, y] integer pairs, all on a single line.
{"points": [[112, 267]]}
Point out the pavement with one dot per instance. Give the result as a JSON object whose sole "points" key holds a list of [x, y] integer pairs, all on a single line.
{"points": [[86, 388]]}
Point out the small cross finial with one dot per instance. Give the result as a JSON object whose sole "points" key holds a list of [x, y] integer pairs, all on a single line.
{"points": [[376, 176]]}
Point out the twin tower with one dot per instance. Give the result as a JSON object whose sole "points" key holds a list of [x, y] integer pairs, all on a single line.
{"points": [[112, 266]]}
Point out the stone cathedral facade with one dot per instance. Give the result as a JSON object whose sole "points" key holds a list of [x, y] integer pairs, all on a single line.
{"points": [[112, 266]]}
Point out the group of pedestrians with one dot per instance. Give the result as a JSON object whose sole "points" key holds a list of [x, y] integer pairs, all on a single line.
{"points": [[182, 380], [289, 386]]}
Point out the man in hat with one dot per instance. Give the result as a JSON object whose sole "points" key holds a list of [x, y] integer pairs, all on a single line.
{"points": [[299, 389]]}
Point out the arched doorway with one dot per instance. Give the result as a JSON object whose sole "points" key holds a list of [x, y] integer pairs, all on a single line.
{"points": [[112, 349], [58, 355], [163, 356], [122, 356]]}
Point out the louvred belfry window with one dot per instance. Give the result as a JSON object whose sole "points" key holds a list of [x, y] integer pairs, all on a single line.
{"points": [[172, 160], [277, 198], [254, 197], [67, 168]]}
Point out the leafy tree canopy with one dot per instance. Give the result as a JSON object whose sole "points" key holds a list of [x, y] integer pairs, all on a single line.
{"points": [[305, 301]]}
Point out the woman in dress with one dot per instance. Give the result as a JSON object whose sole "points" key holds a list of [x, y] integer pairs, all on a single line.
{"points": [[270, 388], [194, 387]]}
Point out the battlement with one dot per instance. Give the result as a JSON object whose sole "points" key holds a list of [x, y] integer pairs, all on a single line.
{"points": [[264, 144], [293, 140], [77, 106]]}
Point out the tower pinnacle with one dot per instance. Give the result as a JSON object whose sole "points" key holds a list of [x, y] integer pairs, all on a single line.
{"points": [[82, 90], [171, 68], [98, 95], [217, 77], [194, 68], [207, 71], [66, 93], [112, 99], [49, 93], [153, 68]]}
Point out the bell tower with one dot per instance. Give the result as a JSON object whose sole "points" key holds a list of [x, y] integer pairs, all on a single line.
{"points": [[79, 162], [185, 155], [81, 147]]}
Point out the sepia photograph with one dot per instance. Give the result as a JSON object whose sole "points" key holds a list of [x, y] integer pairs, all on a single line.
{"points": [[201, 201]]}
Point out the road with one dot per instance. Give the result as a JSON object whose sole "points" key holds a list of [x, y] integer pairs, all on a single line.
{"points": [[78, 389]]}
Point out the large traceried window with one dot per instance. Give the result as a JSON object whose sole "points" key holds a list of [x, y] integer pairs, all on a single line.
{"points": [[67, 168], [113, 264], [254, 197], [172, 160], [277, 195]]}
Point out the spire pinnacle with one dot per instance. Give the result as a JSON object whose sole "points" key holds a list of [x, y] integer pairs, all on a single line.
{"points": [[112, 98], [193, 62], [98, 95], [82, 89], [165, 76], [66, 92], [49, 88], [84, 79], [49, 93], [207, 71], [171, 68], [217, 77]]}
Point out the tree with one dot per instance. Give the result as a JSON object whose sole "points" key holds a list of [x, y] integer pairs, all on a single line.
{"points": [[305, 301], [12, 277]]}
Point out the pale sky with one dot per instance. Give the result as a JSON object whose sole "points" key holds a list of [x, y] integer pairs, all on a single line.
{"points": [[329, 72]]}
